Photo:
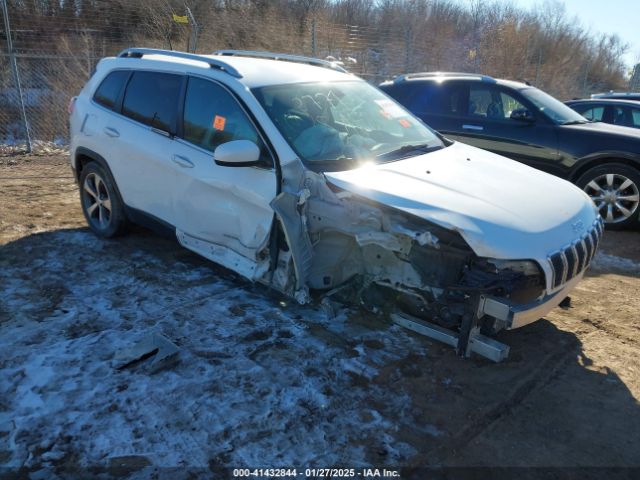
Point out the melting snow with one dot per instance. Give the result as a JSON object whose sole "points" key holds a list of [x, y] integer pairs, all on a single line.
{"points": [[257, 384]]}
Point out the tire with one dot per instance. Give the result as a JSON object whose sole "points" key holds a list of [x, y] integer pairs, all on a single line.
{"points": [[614, 188], [101, 203]]}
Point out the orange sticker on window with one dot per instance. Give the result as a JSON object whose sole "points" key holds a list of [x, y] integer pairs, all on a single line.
{"points": [[404, 122], [218, 122]]}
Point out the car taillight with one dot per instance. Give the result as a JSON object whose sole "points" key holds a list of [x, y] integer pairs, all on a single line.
{"points": [[71, 106]]}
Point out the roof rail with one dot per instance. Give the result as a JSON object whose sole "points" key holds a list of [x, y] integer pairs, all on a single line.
{"points": [[611, 92], [409, 76], [283, 56], [213, 62]]}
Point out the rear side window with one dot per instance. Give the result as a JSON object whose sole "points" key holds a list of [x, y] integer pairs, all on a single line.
{"points": [[423, 97], [152, 98], [110, 88], [636, 117]]}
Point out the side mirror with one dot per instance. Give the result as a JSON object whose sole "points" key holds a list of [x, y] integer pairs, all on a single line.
{"points": [[522, 115], [237, 153]]}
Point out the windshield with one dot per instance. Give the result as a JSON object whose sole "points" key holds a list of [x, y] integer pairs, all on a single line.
{"points": [[557, 111], [341, 125]]}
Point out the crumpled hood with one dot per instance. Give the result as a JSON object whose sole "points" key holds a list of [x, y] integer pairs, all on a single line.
{"points": [[502, 208]]}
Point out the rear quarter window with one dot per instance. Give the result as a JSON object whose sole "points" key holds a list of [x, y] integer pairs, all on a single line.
{"points": [[418, 97], [152, 98], [428, 97], [109, 90]]}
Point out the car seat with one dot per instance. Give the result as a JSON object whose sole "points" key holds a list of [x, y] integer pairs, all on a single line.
{"points": [[495, 110]]}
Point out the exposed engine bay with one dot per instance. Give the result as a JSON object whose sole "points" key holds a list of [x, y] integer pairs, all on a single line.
{"points": [[337, 245]]}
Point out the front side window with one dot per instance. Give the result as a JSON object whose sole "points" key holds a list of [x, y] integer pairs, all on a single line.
{"points": [[109, 90], [213, 117], [554, 109], [152, 98], [490, 103], [594, 114], [340, 125]]}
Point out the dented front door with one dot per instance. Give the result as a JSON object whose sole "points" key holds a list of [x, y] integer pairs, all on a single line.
{"points": [[221, 212]]}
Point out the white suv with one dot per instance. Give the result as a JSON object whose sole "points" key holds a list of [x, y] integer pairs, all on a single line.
{"points": [[299, 175]]}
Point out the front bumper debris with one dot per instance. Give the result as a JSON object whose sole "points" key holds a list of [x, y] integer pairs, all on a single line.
{"points": [[516, 316]]}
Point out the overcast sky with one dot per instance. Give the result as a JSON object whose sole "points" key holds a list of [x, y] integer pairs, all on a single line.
{"points": [[621, 17]]}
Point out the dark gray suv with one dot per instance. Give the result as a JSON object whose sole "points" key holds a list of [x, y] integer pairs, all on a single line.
{"points": [[526, 124]]}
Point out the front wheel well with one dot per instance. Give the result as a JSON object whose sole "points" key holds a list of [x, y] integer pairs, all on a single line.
{"points": [[602, 161], [81, 161]]}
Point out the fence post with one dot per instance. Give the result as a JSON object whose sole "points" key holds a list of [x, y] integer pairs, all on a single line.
{"points": [[14, 70], [193, 43], [408, 54], [313, 38]]}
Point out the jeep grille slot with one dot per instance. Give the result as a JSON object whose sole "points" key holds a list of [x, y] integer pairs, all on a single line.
{"points": [[575, 258]]}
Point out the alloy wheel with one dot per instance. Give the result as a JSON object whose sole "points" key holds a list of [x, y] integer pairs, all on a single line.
{"points": [[616, 196], [96, 201]]}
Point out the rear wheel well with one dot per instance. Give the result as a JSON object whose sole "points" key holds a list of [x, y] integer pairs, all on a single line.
{"points": [[602, 161], [84, 157]]}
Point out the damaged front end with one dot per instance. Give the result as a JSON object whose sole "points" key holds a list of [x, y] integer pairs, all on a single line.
{"points": [[338, 245]]}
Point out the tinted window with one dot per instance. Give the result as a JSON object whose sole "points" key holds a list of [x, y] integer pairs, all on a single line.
{"points": [[619, 116], [636, 117], [491, 103], [425, 97], [213, 117], [152, 98], [591, 113], [509, 104], [479, 101], [420, 97], [108, 91]]}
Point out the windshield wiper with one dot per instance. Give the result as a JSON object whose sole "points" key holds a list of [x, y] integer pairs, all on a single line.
{"points": [[422, 148]]}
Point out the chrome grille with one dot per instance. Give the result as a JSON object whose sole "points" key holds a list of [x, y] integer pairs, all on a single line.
{"points": [[570, 261]]}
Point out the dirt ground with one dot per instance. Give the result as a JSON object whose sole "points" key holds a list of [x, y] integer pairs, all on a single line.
{"points": [[566, 397]]}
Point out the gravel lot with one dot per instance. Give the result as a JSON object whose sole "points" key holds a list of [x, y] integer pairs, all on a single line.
{"points": [[261, 382]]}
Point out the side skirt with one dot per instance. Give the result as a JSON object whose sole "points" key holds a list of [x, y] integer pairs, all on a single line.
{"points": [[224, 256]]}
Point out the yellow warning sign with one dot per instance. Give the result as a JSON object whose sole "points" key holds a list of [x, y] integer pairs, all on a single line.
{"points": [[179, 19]]}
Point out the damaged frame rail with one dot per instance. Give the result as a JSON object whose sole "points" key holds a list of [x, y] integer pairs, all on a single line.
{"points": [[470, 340]]}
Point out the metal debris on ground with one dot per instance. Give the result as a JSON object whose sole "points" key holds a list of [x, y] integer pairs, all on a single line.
{"points": [[162, 352]]}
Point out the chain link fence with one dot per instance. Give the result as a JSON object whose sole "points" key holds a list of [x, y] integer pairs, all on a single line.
{"points": [[53, 55], [49, 48]]}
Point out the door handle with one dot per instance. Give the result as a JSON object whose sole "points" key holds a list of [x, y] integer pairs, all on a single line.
{"points": [[184, 162], [111, 132], [472, 127]]}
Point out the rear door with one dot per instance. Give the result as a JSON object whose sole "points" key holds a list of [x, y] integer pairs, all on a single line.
{"points": [[221, 212], [142, 139], [625, 116]]}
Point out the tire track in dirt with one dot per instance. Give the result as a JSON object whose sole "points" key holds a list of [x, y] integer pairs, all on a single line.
{"points": [[548, 370]]}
